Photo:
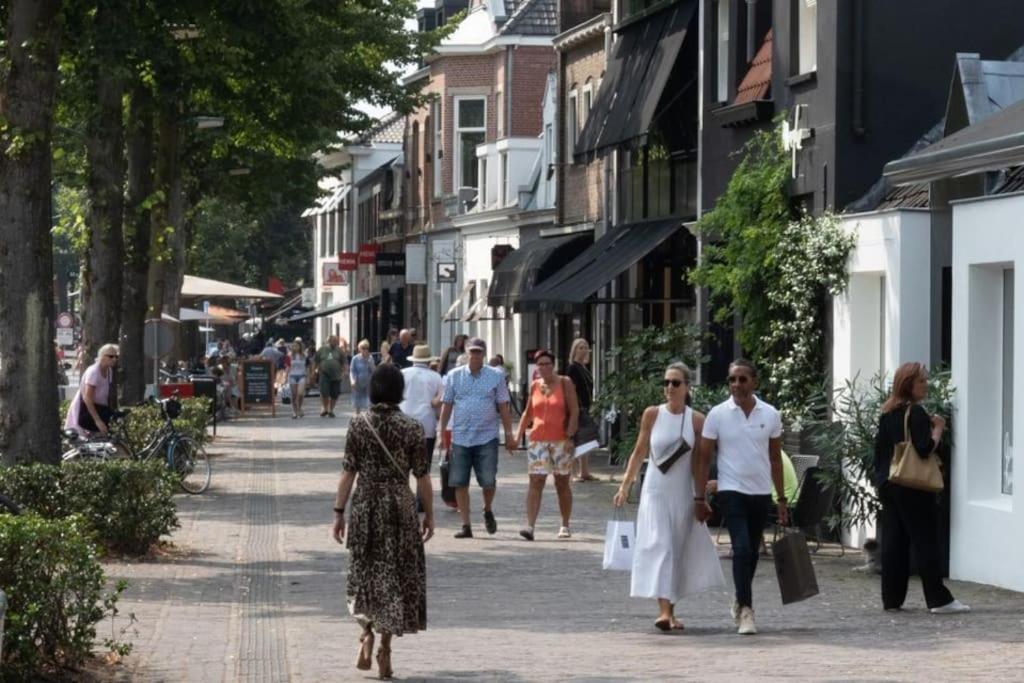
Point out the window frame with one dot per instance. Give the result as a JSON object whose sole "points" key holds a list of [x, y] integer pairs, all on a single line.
{"points": [[572, 121], [436, 150], [723, 37], [800, 39], [457, 180]]}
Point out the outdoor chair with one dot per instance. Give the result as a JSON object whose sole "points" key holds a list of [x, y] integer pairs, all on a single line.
{"points": [[813, 504]]}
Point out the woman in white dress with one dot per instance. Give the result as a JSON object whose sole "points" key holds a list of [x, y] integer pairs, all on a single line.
{"points": [[674, 556]]}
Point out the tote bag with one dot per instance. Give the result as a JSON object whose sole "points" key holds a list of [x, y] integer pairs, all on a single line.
{"points": [[619, 539], [794, 569], [909, 469]]}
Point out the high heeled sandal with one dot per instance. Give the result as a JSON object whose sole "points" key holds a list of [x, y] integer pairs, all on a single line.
{"points": [[384, 670], [364, 660]]}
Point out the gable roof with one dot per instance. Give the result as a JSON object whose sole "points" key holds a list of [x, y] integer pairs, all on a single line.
{"points": [[390, 129], [758, 81]]}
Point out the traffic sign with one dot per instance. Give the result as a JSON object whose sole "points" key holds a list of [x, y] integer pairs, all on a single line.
{"points": [[65, 319]]}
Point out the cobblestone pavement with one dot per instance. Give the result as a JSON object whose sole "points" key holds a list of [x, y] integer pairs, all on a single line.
{"points": [[253, 591]]}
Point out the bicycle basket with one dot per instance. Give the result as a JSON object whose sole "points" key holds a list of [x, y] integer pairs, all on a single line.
{"points": [[172, 407]]}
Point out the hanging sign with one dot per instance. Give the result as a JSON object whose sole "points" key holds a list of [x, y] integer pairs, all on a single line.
{"points": [[348, 260], [368, 253], [391, 263]]}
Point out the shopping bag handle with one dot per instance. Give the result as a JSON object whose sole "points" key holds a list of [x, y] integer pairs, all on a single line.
{"points": [[619, 514]]}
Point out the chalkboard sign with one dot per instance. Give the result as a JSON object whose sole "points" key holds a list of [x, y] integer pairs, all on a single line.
{"points": [[257, 384]]}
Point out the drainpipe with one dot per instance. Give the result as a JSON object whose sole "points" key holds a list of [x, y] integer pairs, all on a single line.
{"points": [[751, 29], [701, 84], [858, 68]]}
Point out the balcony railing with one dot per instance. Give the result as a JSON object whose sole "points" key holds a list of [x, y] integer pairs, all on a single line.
{"points": [[665, 188]]}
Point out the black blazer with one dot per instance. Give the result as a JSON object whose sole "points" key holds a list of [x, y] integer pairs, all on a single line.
{"points": [[890, 433]]}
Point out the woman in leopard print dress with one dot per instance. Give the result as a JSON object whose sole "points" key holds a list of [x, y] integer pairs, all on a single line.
{"points": [[387, 588]]}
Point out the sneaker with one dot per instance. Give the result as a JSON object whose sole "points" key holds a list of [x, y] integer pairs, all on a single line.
{"points": [[330, 414], [747, 627], [527, 533], [955, 607], [564, 532], [323, 413], [295, 417], [490, 523], [734, 611], [467, 532]]}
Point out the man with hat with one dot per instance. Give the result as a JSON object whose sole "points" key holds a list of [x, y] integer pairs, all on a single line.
{"points": [[423, 391], [474, 395]]}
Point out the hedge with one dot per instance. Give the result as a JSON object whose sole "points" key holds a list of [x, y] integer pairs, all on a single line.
{"points": [[56, 594], [128, 504], [144, 420]]}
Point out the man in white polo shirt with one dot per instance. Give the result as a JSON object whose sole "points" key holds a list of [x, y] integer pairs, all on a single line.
{"points": [[747, 434]]}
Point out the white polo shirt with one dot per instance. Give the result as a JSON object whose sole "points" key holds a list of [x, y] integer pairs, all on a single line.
{"points": [[743, 463], [422, 385]]}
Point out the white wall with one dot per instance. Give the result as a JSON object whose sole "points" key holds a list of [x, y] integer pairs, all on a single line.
{"points": [[987, 527], [502, 336], [889, 269]]}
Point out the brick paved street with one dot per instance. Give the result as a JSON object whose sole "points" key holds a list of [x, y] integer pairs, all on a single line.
{"points": [[253, 591]]}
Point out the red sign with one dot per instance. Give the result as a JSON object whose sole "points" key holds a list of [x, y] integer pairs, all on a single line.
{"points": [[368, 253], [333, 275], [348, 260]]}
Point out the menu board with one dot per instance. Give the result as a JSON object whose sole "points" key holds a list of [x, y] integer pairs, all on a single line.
{"points": [[257, 384]]}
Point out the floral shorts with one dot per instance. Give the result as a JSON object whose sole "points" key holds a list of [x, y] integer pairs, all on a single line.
{"points": [[549, 457]]}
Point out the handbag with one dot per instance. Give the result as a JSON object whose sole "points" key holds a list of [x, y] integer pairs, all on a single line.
{"points": [[665, 463], [793, 568], [447, 491], [909, 469], [619, 539]]}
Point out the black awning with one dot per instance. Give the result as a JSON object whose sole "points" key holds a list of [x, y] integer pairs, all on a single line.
{"points": [[527, 266], [628, 98], [330, 309], [617, 250]]}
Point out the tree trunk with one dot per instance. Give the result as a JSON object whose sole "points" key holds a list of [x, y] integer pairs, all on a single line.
{"points": [[102, 272], [140, 138], [161, 251], [174, 272], [28, 371]]}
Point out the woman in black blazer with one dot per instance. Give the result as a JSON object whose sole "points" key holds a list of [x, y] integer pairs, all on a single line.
{"points": [[910, 517]]}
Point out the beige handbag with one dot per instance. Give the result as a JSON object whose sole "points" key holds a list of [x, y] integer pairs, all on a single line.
{"points": [[909, 469]]}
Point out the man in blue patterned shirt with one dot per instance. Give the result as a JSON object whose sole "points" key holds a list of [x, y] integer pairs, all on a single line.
{"points": [[474, 395]]}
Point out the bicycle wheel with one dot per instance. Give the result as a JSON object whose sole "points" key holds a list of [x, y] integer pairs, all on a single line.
{"points": [[121, 449], [190, 461]]}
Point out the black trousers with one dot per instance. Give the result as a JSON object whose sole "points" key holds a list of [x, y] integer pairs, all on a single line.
{"points": [[745, 516], [910, 519]]}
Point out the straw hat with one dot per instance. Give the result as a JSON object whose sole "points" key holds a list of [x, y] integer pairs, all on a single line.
{"points": [[421, 354]]}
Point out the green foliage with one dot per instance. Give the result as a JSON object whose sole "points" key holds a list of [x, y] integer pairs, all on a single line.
{"points": [[144, 421], [776, 270], [56, 592], [844, 436], [128, 504], [639, 361], [704, 397]]}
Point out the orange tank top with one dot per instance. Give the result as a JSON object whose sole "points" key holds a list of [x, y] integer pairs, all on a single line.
{"points": [[549, 412]]}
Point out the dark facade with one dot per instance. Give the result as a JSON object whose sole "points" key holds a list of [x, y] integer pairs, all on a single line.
{"points": [[881, 69]]}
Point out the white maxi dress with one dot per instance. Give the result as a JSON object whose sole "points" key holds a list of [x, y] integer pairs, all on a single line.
{"points": [[674, 556]]}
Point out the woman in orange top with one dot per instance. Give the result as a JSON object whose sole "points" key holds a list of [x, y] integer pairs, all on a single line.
{"points": [[553, 412]]}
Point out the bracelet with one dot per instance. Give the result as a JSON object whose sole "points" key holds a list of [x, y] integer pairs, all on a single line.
{"points": [[340, 510], [699, 500]]}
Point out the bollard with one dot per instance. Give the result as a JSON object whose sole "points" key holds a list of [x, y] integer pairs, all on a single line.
{"points": [[3, 613]]}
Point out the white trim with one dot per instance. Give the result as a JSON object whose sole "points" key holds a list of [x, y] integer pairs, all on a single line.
{"points": [[592, 28], [457, 179], [491, 46], [588, 94], [572, 123]]}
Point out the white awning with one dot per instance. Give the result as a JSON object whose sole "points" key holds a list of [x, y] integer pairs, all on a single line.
{"points": [[476, 311], [329, 202], [450, 314], [194, 287]]}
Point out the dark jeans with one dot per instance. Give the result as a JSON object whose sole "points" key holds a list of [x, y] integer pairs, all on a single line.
{"points": [[910, 518], [745, 516]]}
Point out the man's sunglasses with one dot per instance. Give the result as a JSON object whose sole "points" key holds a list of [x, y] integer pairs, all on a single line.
{"points": [[674, 382], [738, 379]]}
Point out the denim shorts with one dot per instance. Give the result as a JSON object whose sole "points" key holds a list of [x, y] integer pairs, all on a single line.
{"points": [[482, 459]]}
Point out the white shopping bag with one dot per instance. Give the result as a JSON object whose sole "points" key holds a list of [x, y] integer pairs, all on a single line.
{"points": [[619, 539]]}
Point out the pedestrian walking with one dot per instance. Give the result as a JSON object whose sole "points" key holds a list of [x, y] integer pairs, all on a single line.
{"points": [[551, 415], [360, 371], [474, 397], [297, 377], [583, 381], [747, 434], [673, 557], [910, 518], [424, 390], [401, 350], [450, 358], [91, 409], [329, 367], [387, 577]]}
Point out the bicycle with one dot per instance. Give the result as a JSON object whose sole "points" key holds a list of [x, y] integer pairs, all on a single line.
{"points": [[183, 454]]}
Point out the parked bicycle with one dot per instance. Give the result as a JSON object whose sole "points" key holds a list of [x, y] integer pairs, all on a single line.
{"points": [[183, 454]]}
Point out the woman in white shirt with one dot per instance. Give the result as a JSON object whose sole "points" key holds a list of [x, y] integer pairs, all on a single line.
{"points": [[674, 556], [297, 377]]}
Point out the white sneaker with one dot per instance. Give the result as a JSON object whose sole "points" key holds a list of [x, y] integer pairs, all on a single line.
{"points": [[747, 627], [564, 532], [734, 611], [955, 607]]}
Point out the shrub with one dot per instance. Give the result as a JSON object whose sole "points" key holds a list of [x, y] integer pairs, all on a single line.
{"points": [[55, 591], [144, 421], [128, 504]]}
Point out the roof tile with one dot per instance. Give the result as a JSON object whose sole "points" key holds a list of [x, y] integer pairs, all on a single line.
{"points": [[758, 81], [531, 18]]}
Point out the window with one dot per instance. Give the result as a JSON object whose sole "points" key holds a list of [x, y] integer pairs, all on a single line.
{"points": [[572, 122], [322, 220], [1007, 375], [588, 100], [470, 130], [500, 104], [807, 35], [549, 134], [414, 166], [722, 52], [435, 109]]}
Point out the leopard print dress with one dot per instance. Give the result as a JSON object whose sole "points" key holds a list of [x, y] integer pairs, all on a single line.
{"points": [[387, 577]]}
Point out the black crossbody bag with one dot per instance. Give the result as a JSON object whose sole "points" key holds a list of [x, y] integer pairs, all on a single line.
{"points": [[666, 463]]}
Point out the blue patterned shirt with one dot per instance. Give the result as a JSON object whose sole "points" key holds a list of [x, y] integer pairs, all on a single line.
{"points": [[475, 400]]}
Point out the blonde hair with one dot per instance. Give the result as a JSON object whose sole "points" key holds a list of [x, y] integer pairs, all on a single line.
{"points": [[575, 348], [364, 344], [108, 348], [297, 348]]}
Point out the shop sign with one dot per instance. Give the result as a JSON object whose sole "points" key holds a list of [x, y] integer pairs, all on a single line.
{"points": [[333, 275], [348, 260], [368, 253], [391, 263]]}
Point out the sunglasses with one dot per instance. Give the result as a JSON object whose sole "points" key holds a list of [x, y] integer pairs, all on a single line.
{"points": [[674, 382], [110, 355], [738, 379]]}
